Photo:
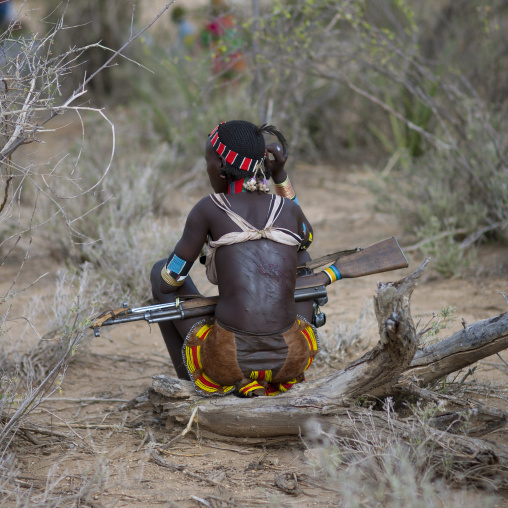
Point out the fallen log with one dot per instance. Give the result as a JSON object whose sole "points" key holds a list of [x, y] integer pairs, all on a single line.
{"points": [[288, 413], [474, 460], [392, 366]]}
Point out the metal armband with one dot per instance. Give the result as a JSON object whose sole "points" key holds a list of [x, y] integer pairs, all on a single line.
{"points": [[285, 189]]}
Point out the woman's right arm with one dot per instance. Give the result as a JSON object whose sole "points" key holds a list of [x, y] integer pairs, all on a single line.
{"points": [[280, 177], [180, 261]]}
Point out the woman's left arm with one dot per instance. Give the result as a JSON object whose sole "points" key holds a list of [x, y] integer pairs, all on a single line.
{"points": [[306, 231], [284, 188]]}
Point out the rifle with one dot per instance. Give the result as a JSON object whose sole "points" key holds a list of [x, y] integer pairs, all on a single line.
{"points": [[380, 257]]}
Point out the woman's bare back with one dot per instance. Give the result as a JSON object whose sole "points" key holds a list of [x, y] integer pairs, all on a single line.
{"points": [[256, 279]]}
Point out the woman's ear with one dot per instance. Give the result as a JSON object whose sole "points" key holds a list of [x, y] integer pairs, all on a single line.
{"points": [[222, 162]]}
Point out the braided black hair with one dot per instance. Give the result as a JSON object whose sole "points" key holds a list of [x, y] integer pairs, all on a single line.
{"points": [[247, 139]]}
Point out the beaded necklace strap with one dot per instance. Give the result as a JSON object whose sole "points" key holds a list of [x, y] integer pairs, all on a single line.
{"points": [[237, 187]]}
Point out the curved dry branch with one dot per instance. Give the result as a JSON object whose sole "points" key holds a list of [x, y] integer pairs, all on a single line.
{"points": [[395, 349], [24, 131], [467, 346]]}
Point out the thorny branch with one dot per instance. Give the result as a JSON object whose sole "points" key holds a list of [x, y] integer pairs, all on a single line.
{"points": [[21, 133], [29, 88], [6, 192]]}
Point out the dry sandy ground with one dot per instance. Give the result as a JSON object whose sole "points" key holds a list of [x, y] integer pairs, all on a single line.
{"points": [[119, 365]]}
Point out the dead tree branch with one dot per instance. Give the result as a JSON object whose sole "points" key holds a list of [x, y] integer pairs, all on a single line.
{"points": [[467, 346]]}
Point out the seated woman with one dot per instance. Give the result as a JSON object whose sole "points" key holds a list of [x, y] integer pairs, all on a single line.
{"points": [[260, 341]]}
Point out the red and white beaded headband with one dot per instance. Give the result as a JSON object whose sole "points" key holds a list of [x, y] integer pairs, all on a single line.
{"points": [[232, 157]]}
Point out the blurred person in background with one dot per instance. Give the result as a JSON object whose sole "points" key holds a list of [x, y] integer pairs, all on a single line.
{"points": [[187, 32], [11, 28], [221, 35], [6, 14]]}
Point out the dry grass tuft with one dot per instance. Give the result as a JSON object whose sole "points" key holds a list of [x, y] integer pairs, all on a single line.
{"points": [[347, 337], [370, 470]]}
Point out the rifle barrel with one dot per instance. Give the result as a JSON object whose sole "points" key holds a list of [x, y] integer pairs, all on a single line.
{"points": [[169, 311], [304, 294], [380, 257], [124, 319], [157, 307], [147, 315]]}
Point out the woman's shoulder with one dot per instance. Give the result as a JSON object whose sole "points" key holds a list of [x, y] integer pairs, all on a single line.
{"points": [[289, 207], [205, 202], [203, 207]]}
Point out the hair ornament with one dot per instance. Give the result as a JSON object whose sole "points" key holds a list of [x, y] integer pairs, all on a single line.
{"points": [[234, 142], [250, 185], [253, 184], [262, 186]]}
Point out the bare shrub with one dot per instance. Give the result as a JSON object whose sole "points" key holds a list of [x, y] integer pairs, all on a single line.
{"points": [[370, 470], [32, 77], [120, 229], [32, 372], [82, 489], [447, 147], [453, 199], [86, 23], [429, 326], [30, 97], [124, 257]]}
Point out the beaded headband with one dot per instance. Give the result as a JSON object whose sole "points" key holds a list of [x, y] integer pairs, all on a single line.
{"points": [[232, 157]]}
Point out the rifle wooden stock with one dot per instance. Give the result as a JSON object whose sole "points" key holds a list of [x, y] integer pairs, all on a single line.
{"points": [[380, 257]]}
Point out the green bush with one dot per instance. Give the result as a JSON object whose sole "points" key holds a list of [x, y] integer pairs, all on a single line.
{"points": [[410, 99], [183, 100], [453, 198]]}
